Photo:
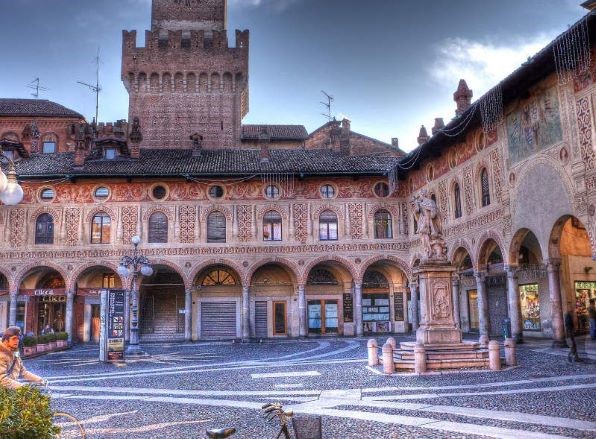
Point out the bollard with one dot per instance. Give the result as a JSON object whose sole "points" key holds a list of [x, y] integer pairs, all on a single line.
{"points": [[419, 358], [373, 356], [392, 342], [510, 357], [388, 363], [483, 340], [494, 358]]}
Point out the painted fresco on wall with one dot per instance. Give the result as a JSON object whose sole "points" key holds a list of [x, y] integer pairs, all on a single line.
{"points": [[535, 126]]}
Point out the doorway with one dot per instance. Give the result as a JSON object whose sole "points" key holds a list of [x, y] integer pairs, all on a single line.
{"points": [[279, 318], [473, 311], [95, 323], [323, 317]]}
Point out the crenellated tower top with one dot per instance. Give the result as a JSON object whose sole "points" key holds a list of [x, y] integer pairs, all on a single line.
{"points": [[186, 15]]}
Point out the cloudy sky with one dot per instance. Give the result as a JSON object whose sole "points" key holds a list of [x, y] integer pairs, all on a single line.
{"points": [[391, 65]]}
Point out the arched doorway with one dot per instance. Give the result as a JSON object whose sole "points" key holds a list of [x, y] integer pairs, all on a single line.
{"points": [[89, 284], [272, 289], [161, 300], [329, 300], [570, 249], [494, 307], [384, 299], [466, 303], [41, 302], [4, 301], [217, 303]]}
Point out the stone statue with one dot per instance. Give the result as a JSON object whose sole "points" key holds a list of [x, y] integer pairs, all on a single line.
{"points": [[429, 227]]}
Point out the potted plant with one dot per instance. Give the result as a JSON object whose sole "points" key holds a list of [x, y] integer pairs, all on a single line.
{"points": [[61, 339], [52, 341], [43, 343], [29, 345]]}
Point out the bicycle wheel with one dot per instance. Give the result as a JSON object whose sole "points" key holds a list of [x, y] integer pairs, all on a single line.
{"points": [[70, 427]]}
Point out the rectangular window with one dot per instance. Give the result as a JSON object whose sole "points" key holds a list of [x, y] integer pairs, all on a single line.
{"points": [[279, 316], [108, 281], [49, 147], [100, 230], [328, 231], [272, 232], [530, 307], [110, 153]]}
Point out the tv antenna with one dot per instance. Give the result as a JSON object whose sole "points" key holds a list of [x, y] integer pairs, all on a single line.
{"points": [[327, 105], [95, 88], [35, 85]]}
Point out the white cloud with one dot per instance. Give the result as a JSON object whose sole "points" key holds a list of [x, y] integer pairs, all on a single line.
{"points": [[277, 5], [481, 64]]}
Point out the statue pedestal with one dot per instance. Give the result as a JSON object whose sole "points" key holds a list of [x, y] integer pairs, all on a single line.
{"points": [[437, 321]]}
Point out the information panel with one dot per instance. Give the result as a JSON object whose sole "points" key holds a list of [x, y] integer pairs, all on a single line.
{"points": [[398, 306], [348, 308], [112, 325]]}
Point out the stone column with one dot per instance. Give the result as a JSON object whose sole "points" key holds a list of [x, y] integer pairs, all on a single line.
{"points": [[12, 309], [482, 306], [69, 314], [245, 313], [455, 292], [358, 309], [554, 286], [514, 304], [414, 296], [302, 311], [187, 315], [87, 313]]}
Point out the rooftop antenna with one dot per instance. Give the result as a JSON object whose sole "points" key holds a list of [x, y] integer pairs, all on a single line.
{"points": [[34, 85], [327, 105], [95, 88]]}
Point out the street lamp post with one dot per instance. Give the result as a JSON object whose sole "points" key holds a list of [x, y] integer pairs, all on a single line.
{"points": [[11, 192], [134, 266]]}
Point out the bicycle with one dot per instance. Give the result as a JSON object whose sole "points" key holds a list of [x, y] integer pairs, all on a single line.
{"points": [[271, 411], [70, 427]]}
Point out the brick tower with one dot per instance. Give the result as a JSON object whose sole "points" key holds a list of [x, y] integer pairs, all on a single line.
{"points": [[187, 79]]}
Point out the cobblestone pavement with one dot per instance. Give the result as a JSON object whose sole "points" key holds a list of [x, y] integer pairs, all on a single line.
{"points": [[182, 389]]}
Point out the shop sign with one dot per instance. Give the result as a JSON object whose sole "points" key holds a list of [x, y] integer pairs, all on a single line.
{"points": [[398, 306], [348, 308], [112, 325], [43, 292], [53, 299]]}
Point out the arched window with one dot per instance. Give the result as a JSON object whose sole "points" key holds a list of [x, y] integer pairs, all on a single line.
{"points": [[485, 188], [216, 227], [328, 226], [158, 228], [457, 200], [272, 226], [101, 227], [383, 228], [44, 229]]}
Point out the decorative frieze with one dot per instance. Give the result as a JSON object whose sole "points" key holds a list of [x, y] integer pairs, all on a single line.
{"points": [[356, 213], [245, 228], [584, 123], [17, 227], [482, 220], [301, 222], [130, 218], [468, 190], [72, 217], [188, 219]]}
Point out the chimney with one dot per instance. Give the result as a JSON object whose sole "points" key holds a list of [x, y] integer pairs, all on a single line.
{"points": [[395, 142], [80, 148], [135, 138], [264, 142], [462, 97], [423, 136], [439, 125], [197, 144]]}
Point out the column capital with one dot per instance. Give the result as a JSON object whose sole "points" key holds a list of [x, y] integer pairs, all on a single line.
{"points": [[70, 294], [455, 279], [553, 264], [13, 294], [358, 285], [480, 276], [511, 270]]}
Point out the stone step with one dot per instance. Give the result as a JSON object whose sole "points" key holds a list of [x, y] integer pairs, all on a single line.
{"points": [[446, 355], [473, 363], [464, 346]]}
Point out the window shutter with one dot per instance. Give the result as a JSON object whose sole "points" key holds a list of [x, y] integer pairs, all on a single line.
{"points": [[216, 228]]}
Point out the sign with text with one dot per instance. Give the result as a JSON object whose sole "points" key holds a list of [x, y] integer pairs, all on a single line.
{"points": [[112, 325], [348, 308]]}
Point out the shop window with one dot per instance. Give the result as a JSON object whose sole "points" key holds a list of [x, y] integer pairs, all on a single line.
{"points": [[101, 227], [108, 281], [218, 277], [44, 229], [383, 229], [272, 224], [485, 188], [328, 226], [327, 191], [376, 313], [530, 307], [216, 228], [158, 228], [457, 200], [473, 310], [584, 291]]}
